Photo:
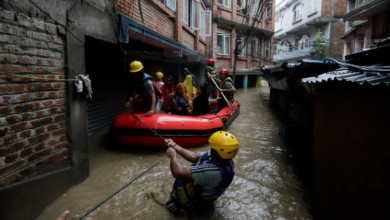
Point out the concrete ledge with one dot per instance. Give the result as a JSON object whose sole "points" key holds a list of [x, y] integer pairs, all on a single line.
{"points": [[26, 200]]}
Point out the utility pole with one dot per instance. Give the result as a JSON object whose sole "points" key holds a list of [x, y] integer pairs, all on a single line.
{"points": [[237, 50]]}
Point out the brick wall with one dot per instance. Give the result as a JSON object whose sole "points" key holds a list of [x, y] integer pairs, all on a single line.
{"points": [[188, 38], [33, 136], [156, 17], [223, 63], [202, 48], [326, 8]]}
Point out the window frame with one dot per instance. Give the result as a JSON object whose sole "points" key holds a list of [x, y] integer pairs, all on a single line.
{"points": [[312, 6], [225, 33], [165, 2], [225, 3], [297, 10], [243, 49], [256, 48], [267, 42]]}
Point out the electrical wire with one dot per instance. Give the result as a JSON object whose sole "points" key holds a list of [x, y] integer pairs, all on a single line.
{"points": [[55, 21]]}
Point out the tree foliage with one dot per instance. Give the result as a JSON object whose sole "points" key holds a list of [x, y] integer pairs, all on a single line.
{"points": [[320, 46]]}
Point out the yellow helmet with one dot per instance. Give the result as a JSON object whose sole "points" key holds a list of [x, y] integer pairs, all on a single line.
{"points": [[136, 66], [159, 75], [225, 144]]}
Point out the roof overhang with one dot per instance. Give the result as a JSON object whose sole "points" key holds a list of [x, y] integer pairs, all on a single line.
{"points": [[343, 36], [321, 21], [366, 9], [257, 30]]}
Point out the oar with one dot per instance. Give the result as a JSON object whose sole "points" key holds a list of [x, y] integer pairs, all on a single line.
{"points": [[229, 104]]}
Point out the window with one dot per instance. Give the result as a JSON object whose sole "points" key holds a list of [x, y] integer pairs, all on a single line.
{"points": [[186, 11], [312, 6], [359, 2], [268, 11], [241, 46], [190, 13], [255, 48], [225, 3], [257, 8], [223, 41], [205, 24], [171, 4], [242, 6], [297, 13], [267, 49]]}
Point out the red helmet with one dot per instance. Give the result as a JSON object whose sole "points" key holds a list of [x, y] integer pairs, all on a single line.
{"points": [[224, 71], [210, 61]]}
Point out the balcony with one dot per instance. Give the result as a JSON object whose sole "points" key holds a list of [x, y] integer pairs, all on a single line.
{"points": [[366, 8]]}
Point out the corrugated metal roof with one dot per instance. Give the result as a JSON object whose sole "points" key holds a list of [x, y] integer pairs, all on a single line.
{"points": [[344, 74], [295, 55]]}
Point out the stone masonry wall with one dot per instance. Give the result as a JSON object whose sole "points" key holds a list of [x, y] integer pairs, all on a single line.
{"points": [[33, 136]]}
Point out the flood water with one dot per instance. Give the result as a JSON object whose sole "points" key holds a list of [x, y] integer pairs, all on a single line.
{"points": [[265, 185]]}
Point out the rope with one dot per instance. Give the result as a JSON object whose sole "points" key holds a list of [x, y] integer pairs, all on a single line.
{"points": [[123, 187], [41, 78]]}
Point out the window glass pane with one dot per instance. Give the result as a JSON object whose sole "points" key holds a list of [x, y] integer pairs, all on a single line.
{"points": [[227, 45], [220, 44], [186, 6], [171, 4]]}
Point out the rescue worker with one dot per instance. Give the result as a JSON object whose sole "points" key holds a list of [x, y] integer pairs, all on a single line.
{"points": [[158, 78], [211, 173], [210, 89], [145, 87], [226, 87]]}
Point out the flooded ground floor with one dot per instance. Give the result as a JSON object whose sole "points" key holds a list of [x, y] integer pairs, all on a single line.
{"points": [[266, 185]]}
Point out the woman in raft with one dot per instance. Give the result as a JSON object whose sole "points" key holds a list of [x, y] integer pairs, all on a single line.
{"points": [[182, 101], [168, 92]]}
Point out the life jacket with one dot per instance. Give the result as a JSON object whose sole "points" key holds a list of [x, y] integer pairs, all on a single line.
{"points": [[186, 195], [206, 76], [229, 95], [143, 92]]}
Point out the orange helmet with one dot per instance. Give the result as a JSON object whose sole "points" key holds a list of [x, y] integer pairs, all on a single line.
{"points": [[210, 61], [224, 71]]}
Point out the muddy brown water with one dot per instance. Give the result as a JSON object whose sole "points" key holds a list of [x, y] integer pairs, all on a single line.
{"points": [[265, 185]]}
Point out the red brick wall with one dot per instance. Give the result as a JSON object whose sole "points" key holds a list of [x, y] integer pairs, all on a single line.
{"points": [[223, 63], [340, 8], [338, 29], [326, 9], [33, 136], [188, 38], [154, 18], [202, 48]]}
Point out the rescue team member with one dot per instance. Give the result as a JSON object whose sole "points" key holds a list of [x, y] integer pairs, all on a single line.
{"points": [[210, 89], [158, 78], [145, 87], [211, 173], [226, 87]]}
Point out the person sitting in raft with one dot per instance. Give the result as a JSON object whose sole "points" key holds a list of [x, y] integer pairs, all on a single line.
{"points": [[183, 103], [211, 173], [168, 92], [226, 87], [158, 78], [191, 83], [145, 88], [201, 101]]}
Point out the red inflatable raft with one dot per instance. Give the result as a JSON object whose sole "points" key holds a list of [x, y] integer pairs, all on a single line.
{"points": [[186, 131]]}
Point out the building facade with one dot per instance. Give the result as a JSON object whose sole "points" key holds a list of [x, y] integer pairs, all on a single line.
{"points": [[297, 23], [251, 24], [367, 23]]}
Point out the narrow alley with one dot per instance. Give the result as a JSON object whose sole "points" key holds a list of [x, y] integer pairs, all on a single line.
{"points": [[265, 186]]}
